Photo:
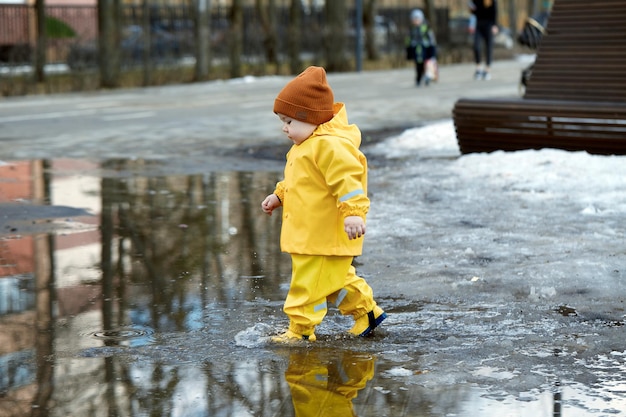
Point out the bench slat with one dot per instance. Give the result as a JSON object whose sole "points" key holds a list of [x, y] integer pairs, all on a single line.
{"points": [[513, 124]]}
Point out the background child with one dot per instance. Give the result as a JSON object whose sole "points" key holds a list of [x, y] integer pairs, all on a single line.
{"points": [[324, 200], [421, 45]]}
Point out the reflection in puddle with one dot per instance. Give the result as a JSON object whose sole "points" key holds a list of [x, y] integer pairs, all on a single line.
{"points": [[92, 266], [122, 293], [129, 335], [325, 383]]}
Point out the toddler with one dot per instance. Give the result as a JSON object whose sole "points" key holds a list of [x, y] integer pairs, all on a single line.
{"points": [[324, 203]]}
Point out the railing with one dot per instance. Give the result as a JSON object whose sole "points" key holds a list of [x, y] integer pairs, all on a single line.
{"points": [[163, 38]]}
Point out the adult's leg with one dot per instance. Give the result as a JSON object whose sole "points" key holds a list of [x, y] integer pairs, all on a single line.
{"points": [[484, 30], [488, 45], [478, 40]]}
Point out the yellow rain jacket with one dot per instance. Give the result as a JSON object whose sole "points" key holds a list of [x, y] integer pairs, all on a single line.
{"points": [[325, 180]]}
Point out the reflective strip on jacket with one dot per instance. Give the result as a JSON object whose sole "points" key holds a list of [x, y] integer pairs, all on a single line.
{"points": [[325, 180]]}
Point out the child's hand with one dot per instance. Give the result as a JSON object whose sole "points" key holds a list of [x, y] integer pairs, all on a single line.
{"points": [[270, 203], [354, 226]]}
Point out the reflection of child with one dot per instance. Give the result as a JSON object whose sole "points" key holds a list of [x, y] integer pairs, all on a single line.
{"points": [[326, 386], [324, 200]]}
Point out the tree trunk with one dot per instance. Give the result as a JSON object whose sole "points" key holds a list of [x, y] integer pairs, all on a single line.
{"points": [[335, 39], [236, 38], [293, 36], [40, 47], [267, 17], [431, 14], [369, 23], [108, 42]]}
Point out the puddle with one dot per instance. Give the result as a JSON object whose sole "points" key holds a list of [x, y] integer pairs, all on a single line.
{"points": [[130, 293], [127, 336]]}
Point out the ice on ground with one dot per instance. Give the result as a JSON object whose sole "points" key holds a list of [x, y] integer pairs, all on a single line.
{"points": [[435, 139], [495, 373], [538, 223], [397, 372], [598, 182]]}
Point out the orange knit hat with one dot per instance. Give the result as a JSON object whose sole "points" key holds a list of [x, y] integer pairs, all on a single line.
{"points": [[307, 98]]}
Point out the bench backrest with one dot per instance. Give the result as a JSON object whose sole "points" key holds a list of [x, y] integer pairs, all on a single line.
{"points": [[583, 55]]}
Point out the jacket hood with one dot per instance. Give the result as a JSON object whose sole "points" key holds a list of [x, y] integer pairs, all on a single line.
{"points": [[338, 126]]}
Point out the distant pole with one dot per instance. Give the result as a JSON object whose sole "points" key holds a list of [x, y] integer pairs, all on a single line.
{"points": [[203, 35], [359, 30], [513, 19]]}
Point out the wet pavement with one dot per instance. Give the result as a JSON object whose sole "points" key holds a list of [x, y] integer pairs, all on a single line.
{"points": [[139, 277], [193, 126]]}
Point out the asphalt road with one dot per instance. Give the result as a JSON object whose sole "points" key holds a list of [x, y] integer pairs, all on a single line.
{"points": [[204, 119]]}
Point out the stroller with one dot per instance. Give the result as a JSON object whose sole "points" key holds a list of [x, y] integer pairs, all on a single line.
{"points": [[530, 36]]}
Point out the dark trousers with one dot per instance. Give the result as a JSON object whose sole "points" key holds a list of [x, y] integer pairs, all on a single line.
{"points": [[419, 72], [484, 35]]}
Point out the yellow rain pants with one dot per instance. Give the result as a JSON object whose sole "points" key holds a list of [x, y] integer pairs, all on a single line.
{"points": [[317, 279]]}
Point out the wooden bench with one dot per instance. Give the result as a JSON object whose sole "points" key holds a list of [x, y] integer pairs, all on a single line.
{"points": [[576, 97]]}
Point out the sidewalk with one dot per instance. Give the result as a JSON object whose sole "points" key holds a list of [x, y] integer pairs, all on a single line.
{"points": [[198, 119]]}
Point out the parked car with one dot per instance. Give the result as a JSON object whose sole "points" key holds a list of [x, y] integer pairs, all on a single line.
{"points": [[163, 47], [385, 32]]}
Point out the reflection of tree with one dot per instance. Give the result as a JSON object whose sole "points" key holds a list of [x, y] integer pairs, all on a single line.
{"points": [[258, 393], [44, 323], [169, 240], [44, 304], [171, 246], [186, 237]]}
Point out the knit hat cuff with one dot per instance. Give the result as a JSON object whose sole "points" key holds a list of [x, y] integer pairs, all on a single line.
{"points": [[303, 114]]}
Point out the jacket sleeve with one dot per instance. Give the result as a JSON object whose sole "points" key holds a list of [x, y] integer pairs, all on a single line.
{"points": [[345, 171], [280, 191]]}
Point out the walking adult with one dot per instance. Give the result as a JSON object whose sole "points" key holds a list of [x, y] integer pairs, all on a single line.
{"points": [[486, 27]]}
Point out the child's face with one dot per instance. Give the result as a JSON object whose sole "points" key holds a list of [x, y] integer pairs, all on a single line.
{"points": [[296, 131]]}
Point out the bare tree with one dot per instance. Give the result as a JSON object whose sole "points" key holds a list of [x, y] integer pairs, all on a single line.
{"points": [[40, 47], [293, 36], [108, 42], [146, 59], [335, 39], [369, 23], [431, 14], [266, 10], [236, 38]]}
